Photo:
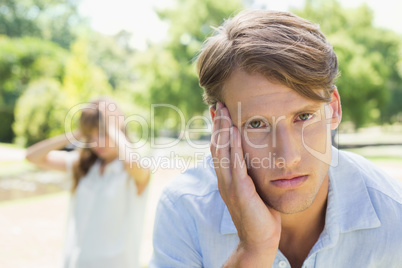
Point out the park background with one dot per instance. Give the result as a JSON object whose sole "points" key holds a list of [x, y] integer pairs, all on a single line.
{"points": [[57, 53]]}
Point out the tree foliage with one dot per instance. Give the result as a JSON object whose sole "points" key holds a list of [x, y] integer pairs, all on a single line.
{"points": [[41, 51], [35, 36], [53, 20], [44, 68], [368, 59], [50, 60], [114, 55], [21, 61], [167, 73], [83, 80], [40, 111], [42, 108], [370, 82]]}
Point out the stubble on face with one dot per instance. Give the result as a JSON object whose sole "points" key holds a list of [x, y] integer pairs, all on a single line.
{"points": [[260, 97]]}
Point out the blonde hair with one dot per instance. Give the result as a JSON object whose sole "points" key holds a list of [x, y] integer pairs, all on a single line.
{"points": [[279, 45]]}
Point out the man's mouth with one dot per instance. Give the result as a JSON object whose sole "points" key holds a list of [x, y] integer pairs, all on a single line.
{"points": [[289, 182]]}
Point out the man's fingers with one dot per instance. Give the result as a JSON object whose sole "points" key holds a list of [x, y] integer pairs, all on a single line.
{"points": [[223, 145], [238, 165], [215, 129]]}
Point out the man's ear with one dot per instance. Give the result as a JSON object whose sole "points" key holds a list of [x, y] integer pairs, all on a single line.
{"points": [[212, 111], [336, 109]]}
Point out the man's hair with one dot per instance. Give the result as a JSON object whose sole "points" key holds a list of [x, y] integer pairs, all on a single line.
{"points": [[278, 45]]}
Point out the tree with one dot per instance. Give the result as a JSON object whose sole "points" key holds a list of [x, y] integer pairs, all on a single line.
{"points": [[114, 55], [167, 71], [368, 58], [53, 20], [33, 34], [26, 60], [83, 80], [22, 61], [40, 112], [47, 47]]}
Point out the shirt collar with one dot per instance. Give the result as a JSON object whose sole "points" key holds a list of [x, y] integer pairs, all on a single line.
{"points": [[349, 204], [351, 200]]}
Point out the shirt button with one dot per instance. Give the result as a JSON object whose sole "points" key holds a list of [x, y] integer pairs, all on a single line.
{"points": [[282, 264]]}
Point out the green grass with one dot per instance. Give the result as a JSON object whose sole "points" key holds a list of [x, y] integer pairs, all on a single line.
{"points": [[386, 159], [386, 154]]}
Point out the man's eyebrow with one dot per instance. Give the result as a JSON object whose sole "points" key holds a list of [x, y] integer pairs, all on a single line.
{"points": [[308, 108]]}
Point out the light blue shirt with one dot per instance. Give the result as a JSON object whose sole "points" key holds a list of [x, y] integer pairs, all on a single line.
{"points": [[363, 224]]}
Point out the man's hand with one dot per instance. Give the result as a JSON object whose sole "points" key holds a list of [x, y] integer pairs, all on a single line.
{"points": [[258, 226]]}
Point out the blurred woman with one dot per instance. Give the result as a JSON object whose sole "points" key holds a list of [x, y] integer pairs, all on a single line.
{"points": [[109, 191]]}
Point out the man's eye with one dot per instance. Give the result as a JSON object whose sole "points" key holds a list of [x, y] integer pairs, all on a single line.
{"points": [[256, 124], [305, 116]]}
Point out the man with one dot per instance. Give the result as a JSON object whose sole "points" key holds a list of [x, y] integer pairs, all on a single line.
{"points": [[275, 193]]}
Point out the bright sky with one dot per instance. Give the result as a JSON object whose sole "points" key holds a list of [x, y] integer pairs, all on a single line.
{"points": [[138, 17]]}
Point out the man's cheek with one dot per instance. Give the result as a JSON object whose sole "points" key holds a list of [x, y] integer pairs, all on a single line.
{"points": [[315, 137], [257, 159]]}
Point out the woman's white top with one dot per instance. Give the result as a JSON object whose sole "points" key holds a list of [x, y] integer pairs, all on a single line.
{"points": [[105, 224]]}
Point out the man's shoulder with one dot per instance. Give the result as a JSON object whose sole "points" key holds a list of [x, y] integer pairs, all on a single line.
{"points": [[377, 181], [366, 198], [197, 182]]}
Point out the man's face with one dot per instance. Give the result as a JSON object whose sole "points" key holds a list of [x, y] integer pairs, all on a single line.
{"points": [[286, 139]]}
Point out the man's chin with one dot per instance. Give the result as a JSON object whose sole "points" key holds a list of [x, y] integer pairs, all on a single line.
{"points": [[286, 205]]}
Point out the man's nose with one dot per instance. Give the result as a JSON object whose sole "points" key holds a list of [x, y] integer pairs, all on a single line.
{"points": [[287, 146]]}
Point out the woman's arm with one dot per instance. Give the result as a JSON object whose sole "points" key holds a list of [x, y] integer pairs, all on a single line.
{"points": [[44, 154]]}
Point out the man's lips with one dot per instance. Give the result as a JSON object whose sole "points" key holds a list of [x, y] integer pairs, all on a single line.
{"points": [[290, 182]]}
